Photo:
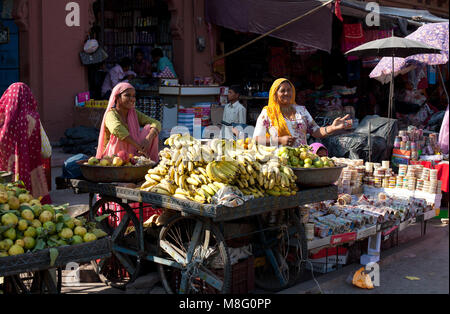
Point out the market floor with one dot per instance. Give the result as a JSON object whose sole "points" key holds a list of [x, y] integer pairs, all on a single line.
{"points": [[425, 258]]}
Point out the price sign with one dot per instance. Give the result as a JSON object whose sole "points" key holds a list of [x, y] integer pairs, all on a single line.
{"points": [[342, 238]]}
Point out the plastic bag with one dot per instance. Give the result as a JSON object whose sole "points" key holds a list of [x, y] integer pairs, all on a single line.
{"points": [[91, 46], [383, 127], [46, 148], [355, 146], [229, 196], [71, 170]]}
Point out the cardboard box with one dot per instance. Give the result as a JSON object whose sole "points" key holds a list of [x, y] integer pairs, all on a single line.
{"points": [[343, 238], [400, 157], [341, 259], [321, 267]]}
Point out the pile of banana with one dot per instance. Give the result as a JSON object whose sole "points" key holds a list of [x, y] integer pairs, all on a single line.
{"points": [[192, 171]]}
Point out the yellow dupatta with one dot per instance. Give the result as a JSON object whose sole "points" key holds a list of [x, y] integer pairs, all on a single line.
{"points": [[273, 108]]}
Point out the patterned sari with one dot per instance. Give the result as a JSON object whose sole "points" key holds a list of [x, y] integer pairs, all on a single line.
{"points": [[20, 140]]}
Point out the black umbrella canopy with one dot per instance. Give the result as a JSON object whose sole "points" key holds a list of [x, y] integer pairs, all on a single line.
{"points": [[391, 46]]}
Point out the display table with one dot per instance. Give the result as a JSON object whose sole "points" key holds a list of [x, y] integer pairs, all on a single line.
{"points": [[443, 171], [432, 199]]}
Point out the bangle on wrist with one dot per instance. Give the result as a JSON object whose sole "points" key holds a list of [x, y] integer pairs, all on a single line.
{"points": [[326, 131]]}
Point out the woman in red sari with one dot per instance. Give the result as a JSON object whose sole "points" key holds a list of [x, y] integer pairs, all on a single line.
{"points": [[20, 140]]}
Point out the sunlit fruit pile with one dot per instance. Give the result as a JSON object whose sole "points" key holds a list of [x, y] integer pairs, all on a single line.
{"points": [[192, 171], [303, 157], [121, 159], [26, 225]]}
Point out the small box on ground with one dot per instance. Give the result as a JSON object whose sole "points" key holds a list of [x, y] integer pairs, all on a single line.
{"points": [[367, 259]]}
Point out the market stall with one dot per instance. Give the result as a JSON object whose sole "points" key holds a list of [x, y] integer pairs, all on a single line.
{"points": [[255, 191], [38, 241], [375, 203]]}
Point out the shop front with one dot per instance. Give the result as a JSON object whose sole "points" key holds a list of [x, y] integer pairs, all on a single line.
{"points": [[49, 53]]}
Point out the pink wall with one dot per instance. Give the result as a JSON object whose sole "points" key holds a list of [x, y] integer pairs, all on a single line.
{"points": [[50, 62], [62, 72], [189, 62], [49, 58]]}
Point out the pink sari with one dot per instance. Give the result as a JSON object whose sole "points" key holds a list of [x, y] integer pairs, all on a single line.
{"points": [[114, 144], [20, 140]]}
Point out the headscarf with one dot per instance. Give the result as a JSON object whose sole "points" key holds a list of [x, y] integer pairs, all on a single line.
{"points": [[132, 120], [273, 108], [316, 146], [20, 139]]}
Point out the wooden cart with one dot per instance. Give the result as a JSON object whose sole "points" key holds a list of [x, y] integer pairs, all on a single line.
{"points": [[30, 273], [190, 250]]}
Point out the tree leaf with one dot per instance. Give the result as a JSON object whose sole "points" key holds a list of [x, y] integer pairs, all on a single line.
{"points": [[53, 256], [40, 245], [5, 228], [23, 207], [100, 218], [59, 226], [15, 212], [66, 218], [412, 278]]}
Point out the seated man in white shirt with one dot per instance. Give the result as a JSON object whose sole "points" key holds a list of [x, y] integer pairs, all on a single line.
{"points": [[233, 113]]}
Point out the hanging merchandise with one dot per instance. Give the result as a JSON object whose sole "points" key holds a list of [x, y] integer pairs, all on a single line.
{"points": [[300, 49], [352, 37], [277, 63], [431, 71]]}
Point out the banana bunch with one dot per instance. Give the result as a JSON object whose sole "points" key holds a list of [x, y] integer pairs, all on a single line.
{"points": [[191, 171]]}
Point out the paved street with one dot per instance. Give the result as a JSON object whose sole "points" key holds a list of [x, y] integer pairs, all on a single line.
{"points": [[423, 257]]}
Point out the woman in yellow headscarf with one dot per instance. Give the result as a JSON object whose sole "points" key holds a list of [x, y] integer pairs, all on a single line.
{"points": [[282, 122]]}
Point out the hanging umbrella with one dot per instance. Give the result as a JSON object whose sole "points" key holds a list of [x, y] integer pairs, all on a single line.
{"points": [[434, 34], [392, 47]]}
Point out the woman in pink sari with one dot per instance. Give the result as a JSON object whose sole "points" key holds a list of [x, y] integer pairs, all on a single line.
{"points": [[20, 140], [121, 127]]}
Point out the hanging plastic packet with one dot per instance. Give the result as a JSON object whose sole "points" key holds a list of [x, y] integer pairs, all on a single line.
{"points": [[230, 196]]}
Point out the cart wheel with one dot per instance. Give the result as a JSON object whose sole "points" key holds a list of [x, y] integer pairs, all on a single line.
{"points": [[201, 244], [39, 282], [121, 268], [283, 252]]}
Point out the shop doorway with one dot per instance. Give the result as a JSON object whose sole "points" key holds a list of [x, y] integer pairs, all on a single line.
{"points": [[122, 27]]}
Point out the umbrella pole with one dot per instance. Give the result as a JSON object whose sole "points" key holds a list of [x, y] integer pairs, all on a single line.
{"points": [[443, 83], [391, 91]]}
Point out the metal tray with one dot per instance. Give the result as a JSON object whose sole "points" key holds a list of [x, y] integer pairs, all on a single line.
{"points": [[317, 177], [113, 174], [40, 260]]}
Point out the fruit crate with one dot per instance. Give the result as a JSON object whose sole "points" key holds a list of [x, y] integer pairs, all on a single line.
{"points": [[242, 276], [147, 209], [40, 260]]}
